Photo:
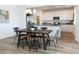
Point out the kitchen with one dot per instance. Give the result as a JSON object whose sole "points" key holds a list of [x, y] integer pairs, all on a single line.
{"points": [[55, 17]]}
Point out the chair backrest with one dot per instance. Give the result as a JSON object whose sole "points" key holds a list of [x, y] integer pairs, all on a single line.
{"points": [[43, 28], [16, 30], [56, 36]]}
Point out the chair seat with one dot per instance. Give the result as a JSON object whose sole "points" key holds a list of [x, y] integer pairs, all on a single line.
{"points": [[36, 35], [23, 33]]}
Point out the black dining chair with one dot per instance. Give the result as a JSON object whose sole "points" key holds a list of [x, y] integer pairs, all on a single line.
{"points": [[21, 35], [43, 28], [22, 41], [34, 42], [16, 33]]}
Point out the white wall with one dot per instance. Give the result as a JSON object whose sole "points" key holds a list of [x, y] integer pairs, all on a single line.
{"points": [[38, 13], [6, 29], [76, 24]]}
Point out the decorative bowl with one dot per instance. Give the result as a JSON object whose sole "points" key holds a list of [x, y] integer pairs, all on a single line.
{"points": [[32, 29]]}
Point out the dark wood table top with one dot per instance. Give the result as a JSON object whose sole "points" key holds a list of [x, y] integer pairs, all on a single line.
{"points": [[35, 31]]}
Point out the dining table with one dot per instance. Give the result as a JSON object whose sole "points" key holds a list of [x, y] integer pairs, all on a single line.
{"points": [[39, 31]]}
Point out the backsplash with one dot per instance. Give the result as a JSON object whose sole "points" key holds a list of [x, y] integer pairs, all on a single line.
{"points": [[59, 22]]}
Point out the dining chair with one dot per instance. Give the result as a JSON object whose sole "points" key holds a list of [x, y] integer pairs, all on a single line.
{"points": [[34, 42], [54, 36], [43, 28], [16, 33], [22, 40], [22, 36]]}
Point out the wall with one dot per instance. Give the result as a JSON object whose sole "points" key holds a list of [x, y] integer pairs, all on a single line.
{"points": [[76, 24], [6, 29], [38, 13]]}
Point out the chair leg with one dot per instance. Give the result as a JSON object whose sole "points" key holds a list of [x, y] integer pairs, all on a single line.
{"points": [[39, 43], [55, 45], [14, 39], [36, 50], [57, 42], [29, 45], [34, 44], [18, 43], [48, 41]]}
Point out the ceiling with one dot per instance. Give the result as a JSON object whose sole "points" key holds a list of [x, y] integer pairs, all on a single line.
{"points": [[53, 7]]}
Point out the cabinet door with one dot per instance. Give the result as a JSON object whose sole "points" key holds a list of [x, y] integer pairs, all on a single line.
{"points": [[67, 28]]}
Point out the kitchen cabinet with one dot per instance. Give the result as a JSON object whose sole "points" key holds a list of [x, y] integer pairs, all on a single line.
{"points": [[66, 28]]}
